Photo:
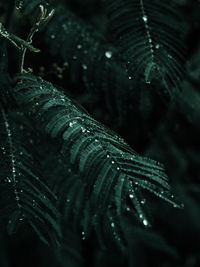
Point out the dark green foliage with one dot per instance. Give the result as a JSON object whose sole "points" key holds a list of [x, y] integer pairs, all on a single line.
{"points": [[148, 33], [111, 172], [90, 57], [67, 179], [24, 196]]}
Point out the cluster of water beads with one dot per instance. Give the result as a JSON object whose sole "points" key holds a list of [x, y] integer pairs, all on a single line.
{"points": [[114, 229], [12, 157], [19, 4], [72, 123], [83, 236], [4, 150], [7, 180]]}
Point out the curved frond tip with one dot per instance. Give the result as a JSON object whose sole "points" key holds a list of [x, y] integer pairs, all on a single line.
{"points": [[110, 171]]}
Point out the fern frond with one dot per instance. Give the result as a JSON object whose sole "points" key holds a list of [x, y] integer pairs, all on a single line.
{"points": [[148, 34], [110, 171], [25, 197], [90, 59]]}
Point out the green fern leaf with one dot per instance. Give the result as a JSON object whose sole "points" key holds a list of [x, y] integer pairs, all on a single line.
{"points": [[27, 196], [110, 172], [148, 34]]}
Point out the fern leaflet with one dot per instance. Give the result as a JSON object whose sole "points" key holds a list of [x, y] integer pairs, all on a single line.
{"points": [[111, 173]]}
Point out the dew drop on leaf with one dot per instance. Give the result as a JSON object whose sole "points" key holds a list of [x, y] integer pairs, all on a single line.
{"points": [[112, 225], [84, 66], [83, 235], [8, 180], [108, 54], [145, 222], [72, 123], [145, 18], [143, 201]]}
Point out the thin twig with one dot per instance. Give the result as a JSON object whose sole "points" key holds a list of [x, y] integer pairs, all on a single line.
{"points": [[15, 40], [42, 18]]}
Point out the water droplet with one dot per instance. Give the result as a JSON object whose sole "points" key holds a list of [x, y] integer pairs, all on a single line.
{"points": [[118, 168], [108, 156], [83, 129], [108, 54], [79, 46], [143, 201], [130, 78], [157, 46], [112, 224], [112, 162], [128, 209], [53, 36], [145, 18], [145, 222], [83, 235], [74, 57], [72, 123], [84, 66], [131, 196], [8, 180], [68, 200]]}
